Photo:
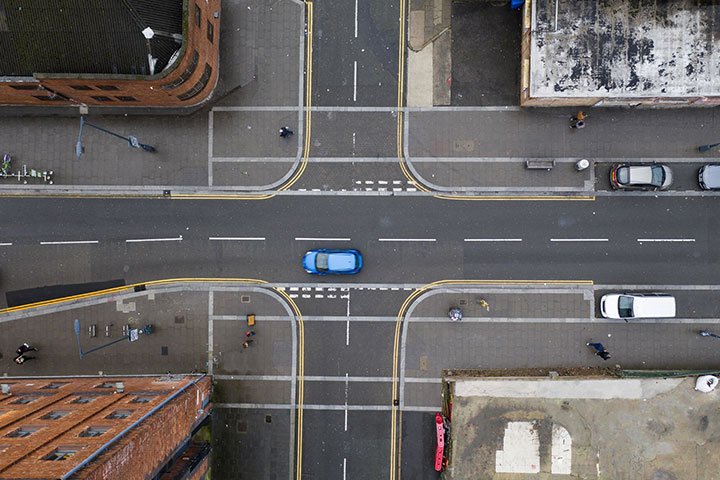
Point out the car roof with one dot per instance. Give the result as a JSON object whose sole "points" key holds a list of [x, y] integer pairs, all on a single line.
{"points": [[640, 174], [654, 306], [711, 176]]}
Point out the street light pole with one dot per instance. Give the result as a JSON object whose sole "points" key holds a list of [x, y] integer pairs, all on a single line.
{"points": [[705, 148], [131, 336], [706, 333], [132, 141]]}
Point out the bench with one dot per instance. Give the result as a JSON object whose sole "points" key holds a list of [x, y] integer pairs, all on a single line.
{"points": [[540, 164]]}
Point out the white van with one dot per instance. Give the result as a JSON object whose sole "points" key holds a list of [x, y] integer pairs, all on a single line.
{"points": [[637, 305]]}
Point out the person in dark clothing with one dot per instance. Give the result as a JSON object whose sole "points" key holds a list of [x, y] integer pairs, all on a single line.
{"points": [[285, 131], [20, 359], [25, 347], [600, 350]]}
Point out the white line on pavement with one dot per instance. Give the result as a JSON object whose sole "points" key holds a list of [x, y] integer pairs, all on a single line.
{"points": [[236, 238], [345, 467], [355, 81], [578, 239], [665, 240], [5, 244], [320, 239], [493, 239], [406, 240], [74, 242], [356, 18], [139, 240]]}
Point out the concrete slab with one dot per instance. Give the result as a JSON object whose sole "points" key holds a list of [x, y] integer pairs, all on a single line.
{"points": [[653, 428]]}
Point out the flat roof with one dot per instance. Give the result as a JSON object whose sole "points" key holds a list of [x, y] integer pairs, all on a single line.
{"points": [[601, 427], [87, 37], [621, 49]]}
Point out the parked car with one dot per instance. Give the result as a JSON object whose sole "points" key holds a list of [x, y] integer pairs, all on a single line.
{"points": [[709, 177], [329, 262], [637, 305], [640, 177]]}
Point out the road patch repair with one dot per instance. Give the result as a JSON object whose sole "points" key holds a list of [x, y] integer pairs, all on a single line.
{"points": [[587, 423]]}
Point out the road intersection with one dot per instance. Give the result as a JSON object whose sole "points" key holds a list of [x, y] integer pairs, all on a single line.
{"points": [[342, 379]]}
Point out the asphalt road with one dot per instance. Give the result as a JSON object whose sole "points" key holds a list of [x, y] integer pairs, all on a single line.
{"points": [[417, 240]]}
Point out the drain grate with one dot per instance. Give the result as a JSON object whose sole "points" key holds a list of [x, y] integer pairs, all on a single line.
{"points": [[268, 418], [163, 350], [245, 299], [180, 319]]}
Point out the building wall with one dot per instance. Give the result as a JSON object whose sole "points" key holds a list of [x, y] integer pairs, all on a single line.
{"points": [[142, 451], [190, 83]]}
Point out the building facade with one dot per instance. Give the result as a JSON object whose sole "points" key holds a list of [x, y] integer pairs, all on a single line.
{"points": [[149, 53], [104, 427]]}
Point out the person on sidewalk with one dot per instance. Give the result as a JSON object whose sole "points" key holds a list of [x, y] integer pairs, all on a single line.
{"points": [[20, 359], [285, 131], [25, 347], [246, 343], [600, 350], [578, 121], [251, 333]]}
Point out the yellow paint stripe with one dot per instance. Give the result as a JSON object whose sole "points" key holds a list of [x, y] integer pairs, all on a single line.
{"points": [[517, 197]]}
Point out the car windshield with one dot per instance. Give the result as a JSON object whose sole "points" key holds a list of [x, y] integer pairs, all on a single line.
{"points": [[625, 306], [623, 175], [321, 262], [658, 176]]}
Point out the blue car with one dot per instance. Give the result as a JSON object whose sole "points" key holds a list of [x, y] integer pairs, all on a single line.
{"points": [[332, 262]]}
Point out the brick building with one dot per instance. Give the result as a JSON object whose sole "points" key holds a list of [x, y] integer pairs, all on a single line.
{"points": [[149, 53], [104, 427]]}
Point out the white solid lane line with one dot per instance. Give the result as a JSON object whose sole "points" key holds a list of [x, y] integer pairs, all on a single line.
{"points": [[493, 239], [5, 244], [231, 239], [406, 240], [74, 242], [578, 239], [356, 17], [321, 239], [138, 240], [665, 240]]}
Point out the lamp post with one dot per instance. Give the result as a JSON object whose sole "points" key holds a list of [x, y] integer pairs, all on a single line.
{"points": [[706, 333], [705, 148], [132, 141], [131, 336]]}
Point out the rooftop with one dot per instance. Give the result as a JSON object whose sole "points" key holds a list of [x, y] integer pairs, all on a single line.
{"points": [[603, 427], [622, 48], [87, 36]]}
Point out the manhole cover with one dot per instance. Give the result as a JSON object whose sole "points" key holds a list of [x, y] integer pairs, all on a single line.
{"points": [[163, 350], [463, 302], [242, 426], [245, 299], [268, 418]]}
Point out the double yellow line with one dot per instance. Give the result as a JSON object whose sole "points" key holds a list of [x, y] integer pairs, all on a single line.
{"points": [[396, 417]]}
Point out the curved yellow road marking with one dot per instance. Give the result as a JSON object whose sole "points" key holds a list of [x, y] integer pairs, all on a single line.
{"points": [[396, 417]]}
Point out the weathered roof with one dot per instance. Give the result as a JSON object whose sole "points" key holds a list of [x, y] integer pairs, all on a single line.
{"points": [[86, 36], [625, 48]]}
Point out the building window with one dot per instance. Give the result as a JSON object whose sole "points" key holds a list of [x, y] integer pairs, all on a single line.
{"points": [[54, 385], [55, 414], [118, 414], [23, 432], [80, 87], [46, 98], [25, 87], [61, 453], [83, 400], [143, 399], [107, 87], [93, 431], [126, 99], [197, 88], [102, 98], [198, 15], [23, 400], [210, 31], [194, 60]]}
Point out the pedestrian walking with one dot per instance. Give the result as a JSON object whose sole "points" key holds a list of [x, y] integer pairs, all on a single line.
{"points": [[285, 131], [251, 333], [578, 121], [600, 350], [20, 359], [246, 343], [25, 347]]}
